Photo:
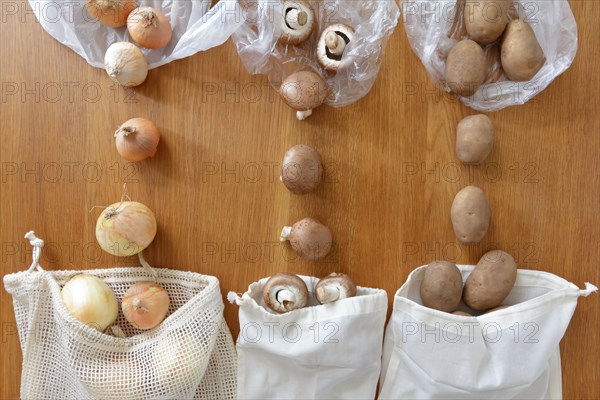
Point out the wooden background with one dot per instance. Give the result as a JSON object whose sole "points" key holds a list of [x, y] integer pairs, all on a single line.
{"points": [[391, 175]]}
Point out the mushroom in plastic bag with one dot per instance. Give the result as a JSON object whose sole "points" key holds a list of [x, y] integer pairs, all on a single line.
{"points": [[495, 39], [316, 52]]}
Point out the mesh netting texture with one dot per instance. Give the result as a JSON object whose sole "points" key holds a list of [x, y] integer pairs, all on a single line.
{"points": [[191, 354]]}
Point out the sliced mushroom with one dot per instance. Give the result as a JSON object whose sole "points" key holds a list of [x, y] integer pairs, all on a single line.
{"points": [[298, 22], [336, 286], [285, 292], [332, 43], [303, 91], [309, 238], [302, 170]]}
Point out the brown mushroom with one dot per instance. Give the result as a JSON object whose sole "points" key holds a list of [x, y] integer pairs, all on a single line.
{"points": [[309, 238], [336, 286], [303, 91], [332, 43], [297, 23], [462, 313], [302, 170], [285, 292]]}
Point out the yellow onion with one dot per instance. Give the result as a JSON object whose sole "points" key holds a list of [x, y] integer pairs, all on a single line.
{"points": [[149, 27], [125, 228], [137, 139], [125, 64], [179, 359], [111, 13], [145, 305], [90, 301]]}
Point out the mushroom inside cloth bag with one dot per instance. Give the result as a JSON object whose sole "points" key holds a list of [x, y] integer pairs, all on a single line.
{"points": [[317, 352]]}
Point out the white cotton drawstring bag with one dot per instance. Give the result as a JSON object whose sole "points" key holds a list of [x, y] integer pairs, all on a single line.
{"points": [[189, 355], [330, 351], [507, 354]]}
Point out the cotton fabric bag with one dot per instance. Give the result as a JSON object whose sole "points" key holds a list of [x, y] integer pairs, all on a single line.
{"points": [[196, 27], [508, 354], [330, 351], [189, 355]]}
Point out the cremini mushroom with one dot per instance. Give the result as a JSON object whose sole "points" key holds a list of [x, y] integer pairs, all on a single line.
{"points": [[332, 43], [285, 292], [303, 91], [336, 286], [309, 238], [297, 23], [302, 170]]}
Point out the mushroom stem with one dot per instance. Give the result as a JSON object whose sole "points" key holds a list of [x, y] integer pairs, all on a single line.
{"points": [[328, 293], [335, 43], [285, 233], [296, 19], [286, 298], [302, 115]]}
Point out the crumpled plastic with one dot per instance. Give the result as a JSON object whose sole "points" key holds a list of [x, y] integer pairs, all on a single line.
{"points": [[196, 27], [373, 21], [433, 27]]}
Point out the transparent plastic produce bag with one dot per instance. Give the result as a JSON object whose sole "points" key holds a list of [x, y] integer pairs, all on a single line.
{"points": [[191, 354], [433, 27], [373, 22], [330, 351], [196, 27], [512, 353]]}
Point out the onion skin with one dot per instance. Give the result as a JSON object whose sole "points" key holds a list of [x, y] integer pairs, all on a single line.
{"points": [[178, 359], [90, 301], [125, 228], [145, 305], [111, 13], [149, 27], [125, 64], [137, 139]]}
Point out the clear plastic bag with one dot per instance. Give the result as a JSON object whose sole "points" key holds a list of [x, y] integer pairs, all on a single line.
{"points": [[373, 22], [434, 26], [196, 27]]}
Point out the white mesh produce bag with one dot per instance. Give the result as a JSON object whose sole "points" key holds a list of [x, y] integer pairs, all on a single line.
{"points": [[196, 27], [189, 355], [330, 351], [508, 354]]}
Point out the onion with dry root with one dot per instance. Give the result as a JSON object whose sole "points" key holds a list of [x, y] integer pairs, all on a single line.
{"points": [[309, 238], [90, 301], [285, 292], [111, 13], [125, 64], [137, 139], [149, 27], [336, 286], [145, 305]]}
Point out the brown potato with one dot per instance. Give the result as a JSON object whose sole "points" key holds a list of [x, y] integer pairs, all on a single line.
{"points": [[466, 68], [491, 281], [441, 288], [474, 139], [485, 20], [470, 215], [521, 54]]}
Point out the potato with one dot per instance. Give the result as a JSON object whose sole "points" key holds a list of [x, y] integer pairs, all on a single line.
{"points": [[521, 54], [474, 139], [466, 68], [470, 214], [441, 287], [491, 281], [485, 20]]}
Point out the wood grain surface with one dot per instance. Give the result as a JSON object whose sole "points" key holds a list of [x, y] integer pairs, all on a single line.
{"points": [[391, 175]]}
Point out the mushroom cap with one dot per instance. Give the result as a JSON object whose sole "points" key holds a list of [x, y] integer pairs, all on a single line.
{"points": [[296, 36], [302, 169], [327, 60], [304, 90], [335, 287], [285, 292], [310, 239]]}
